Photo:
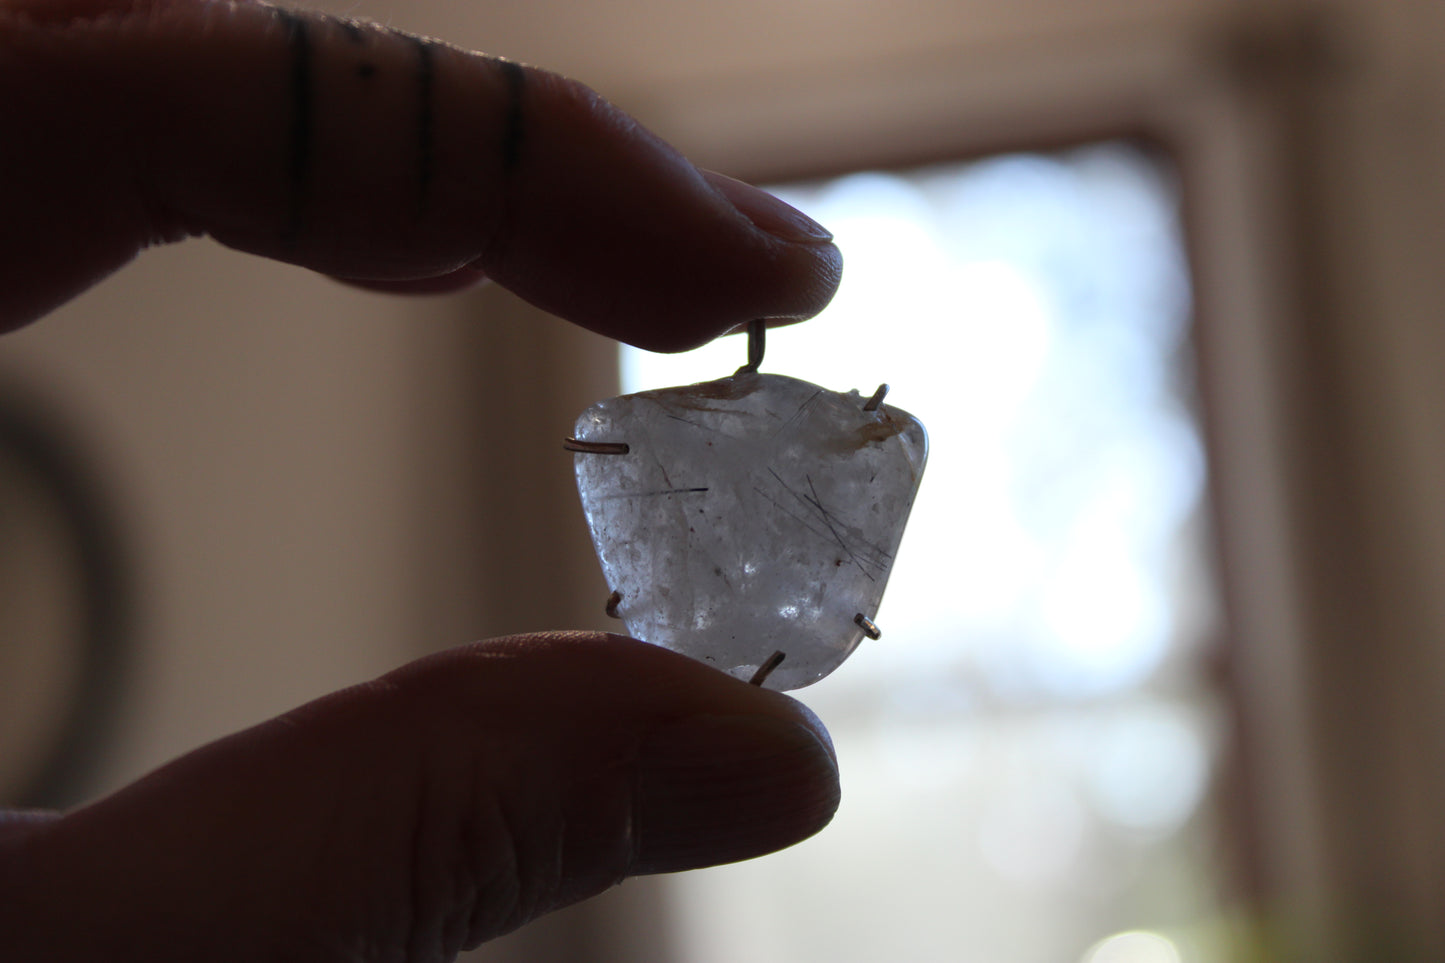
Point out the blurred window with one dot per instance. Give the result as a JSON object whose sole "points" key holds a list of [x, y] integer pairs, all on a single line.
{"points": [[1027, 752]]}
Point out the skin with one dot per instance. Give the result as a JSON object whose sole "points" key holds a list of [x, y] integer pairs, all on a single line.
{"points": [[463, 795]]}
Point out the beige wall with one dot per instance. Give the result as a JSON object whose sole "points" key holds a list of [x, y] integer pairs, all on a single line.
{"points": [[253, 424]]}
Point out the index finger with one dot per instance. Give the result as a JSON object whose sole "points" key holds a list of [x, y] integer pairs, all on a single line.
{"points": [[372, 155]]}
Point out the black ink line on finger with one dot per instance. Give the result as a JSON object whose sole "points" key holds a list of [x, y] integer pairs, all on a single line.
{"points": [[355, 31], [298, 36], [512, 131], [425, 122]]}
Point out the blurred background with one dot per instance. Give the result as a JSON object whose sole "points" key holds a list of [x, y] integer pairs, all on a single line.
{"points": [[1163, 667]]}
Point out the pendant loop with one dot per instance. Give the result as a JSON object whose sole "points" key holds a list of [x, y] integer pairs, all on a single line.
{"points": [[757, 341]]}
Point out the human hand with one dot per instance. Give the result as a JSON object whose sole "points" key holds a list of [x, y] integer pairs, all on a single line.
{"points": [[464, 795], [425, 812], [370, 155]]}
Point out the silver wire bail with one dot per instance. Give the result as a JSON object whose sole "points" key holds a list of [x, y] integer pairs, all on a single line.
{"points": [[757, 341]]}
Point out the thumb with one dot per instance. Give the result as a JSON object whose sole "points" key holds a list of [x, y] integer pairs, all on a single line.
{"points": [[418, 815]]}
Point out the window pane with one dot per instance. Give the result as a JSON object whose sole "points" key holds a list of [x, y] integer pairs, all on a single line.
{"points": [[1027, 752]]}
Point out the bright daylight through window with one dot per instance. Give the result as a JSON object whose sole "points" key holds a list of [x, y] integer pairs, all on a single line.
{"points": [[1028, 751]]}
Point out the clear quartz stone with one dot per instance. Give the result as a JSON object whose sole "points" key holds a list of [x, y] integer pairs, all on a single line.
{"points": [[750, 515]]}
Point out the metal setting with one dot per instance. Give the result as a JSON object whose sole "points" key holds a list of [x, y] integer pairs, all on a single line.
{"points": [[757, 342], [766, 669], [597, 447], [877, 398], [866, 624]]}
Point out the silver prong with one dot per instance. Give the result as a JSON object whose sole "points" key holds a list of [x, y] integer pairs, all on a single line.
{"points": [[877, 398], [757, 342], [597, 447], [766, 669], [866, 624], [613, 600]]}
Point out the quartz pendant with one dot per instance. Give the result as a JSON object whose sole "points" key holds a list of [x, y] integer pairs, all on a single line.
{"points": [[749, 517]]}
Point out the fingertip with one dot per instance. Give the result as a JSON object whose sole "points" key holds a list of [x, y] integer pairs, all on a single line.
{"points": [[768, 212], [452, 282], [721, 789], [723, 771], [611, 227]]}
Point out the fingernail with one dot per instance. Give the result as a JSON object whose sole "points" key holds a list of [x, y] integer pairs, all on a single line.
{"points": [[767, 212], [718, 789]]}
